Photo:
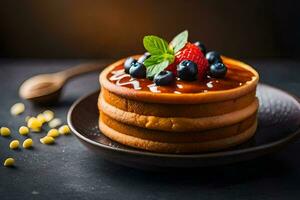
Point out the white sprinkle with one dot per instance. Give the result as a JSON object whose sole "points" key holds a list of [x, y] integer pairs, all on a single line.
{"points": [[153, 88], [209, 85], [180, 86]]}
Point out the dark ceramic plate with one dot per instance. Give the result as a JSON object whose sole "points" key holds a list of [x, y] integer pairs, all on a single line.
{"points": [[278, 125]]}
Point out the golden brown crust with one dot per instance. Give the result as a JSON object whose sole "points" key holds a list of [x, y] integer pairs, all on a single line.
{"points": [[175, 137], [177, 124], [186, 98], [165, 147], [177, 110]]}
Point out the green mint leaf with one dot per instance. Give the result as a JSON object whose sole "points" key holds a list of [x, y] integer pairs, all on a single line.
{"points": [[154, 60], [155, 69], [155, 45], [179, 41], [169, 57]]}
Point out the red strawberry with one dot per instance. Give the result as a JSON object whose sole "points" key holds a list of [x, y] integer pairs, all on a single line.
{"points": [[173, 68], [193, 53]]}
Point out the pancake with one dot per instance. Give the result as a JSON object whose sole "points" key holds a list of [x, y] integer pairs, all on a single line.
{"points": [[177, 110], [168, 147], [178, 137], [177, 124], [185, 117]]}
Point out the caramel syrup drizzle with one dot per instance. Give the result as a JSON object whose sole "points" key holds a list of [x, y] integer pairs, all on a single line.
{"points": [[235, 77]]}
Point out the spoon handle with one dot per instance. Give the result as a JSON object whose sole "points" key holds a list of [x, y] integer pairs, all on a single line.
{"points": [[81, 69]]}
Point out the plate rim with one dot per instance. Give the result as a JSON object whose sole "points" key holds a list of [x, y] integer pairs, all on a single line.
{"points": [[280, 143]]}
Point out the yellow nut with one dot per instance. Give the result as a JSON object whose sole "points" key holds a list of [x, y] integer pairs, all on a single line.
{"points": [[23, 130], [41, 118], [34, 123], [27, 143], [49, 115], [65, 130], [47, 140], [54, 123], [9, 162], [53, 133], [17, 109], [14, 144], [4, 131]]}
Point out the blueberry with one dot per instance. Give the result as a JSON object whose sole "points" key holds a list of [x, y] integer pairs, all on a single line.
{"points": [[218, 70], [213, 57], [137, 70], [164, 78], [187, 70], [201, 47], [144, 57], [128, 62]]}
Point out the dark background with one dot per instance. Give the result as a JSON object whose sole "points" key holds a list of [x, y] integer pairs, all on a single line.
{"points": [[36, 34], [111, 29]]}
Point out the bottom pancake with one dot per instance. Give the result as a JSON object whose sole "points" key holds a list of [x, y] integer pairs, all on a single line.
{"points": [[244, 131], [178, 137]]}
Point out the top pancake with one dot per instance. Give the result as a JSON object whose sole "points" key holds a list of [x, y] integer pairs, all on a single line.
{"points": [[169, 97]]}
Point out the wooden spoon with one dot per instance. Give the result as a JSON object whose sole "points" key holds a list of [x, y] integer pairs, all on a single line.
{"points": [[46, 88]]}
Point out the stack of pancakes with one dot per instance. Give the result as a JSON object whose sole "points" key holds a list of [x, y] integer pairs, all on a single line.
{"points": [[178, 123]]}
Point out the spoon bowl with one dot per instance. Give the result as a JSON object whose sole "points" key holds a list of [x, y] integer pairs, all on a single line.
{"points": [[46, 88], [43, 88]]}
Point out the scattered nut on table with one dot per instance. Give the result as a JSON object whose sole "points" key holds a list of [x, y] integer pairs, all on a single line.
{"points": [[64, 130], [47, 140], [53, 133], [49, 115], [55, 123], [9, 162], [23, 130], [4, 131], [34, 123], [14, 144], [27, 143], [17, 109]]}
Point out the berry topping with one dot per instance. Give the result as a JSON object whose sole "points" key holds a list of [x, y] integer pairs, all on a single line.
{"points": [[187, 70], [144, 57], [162, 53], [128, 62], [213, 57], [137, 70], [201, 46], [173, 68], [193, 53], [164, 78], [164, 61], [218, 70]]}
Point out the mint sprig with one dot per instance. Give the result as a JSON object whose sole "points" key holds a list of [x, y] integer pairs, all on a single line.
{"points": [[153, 60], [179, 41], [156, 45], [155, 69], [162, 53]]}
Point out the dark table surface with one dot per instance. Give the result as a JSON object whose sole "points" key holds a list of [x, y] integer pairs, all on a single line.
{"points": [[67, 170]]}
